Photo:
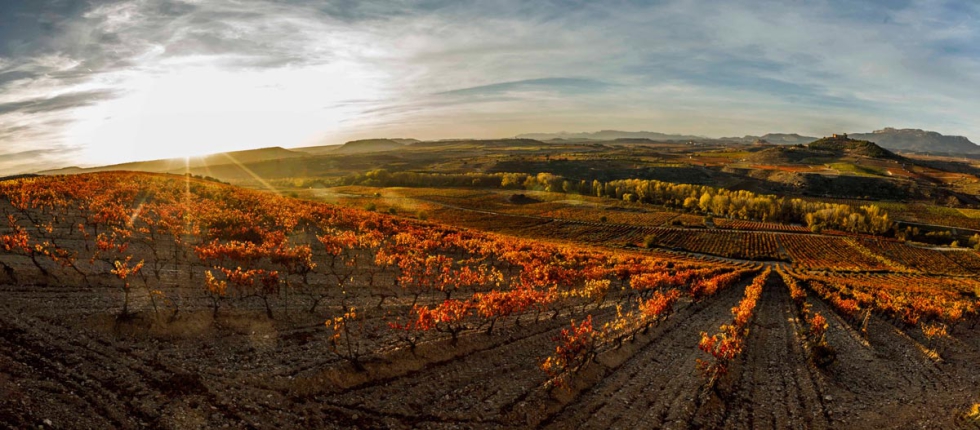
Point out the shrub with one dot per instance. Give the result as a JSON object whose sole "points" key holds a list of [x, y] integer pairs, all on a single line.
{"points": [[649, 241]]}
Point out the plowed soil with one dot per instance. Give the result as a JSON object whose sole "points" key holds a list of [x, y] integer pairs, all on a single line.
{"points": [[66, 362]]}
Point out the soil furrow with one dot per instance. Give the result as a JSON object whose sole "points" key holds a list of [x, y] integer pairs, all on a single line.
{"points": [[770, 393], [459, 385], [644, 389]]}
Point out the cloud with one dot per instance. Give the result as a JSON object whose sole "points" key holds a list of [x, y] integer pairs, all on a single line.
{"points": [[99, 75], [558, 85], [35, 153], [27, 161], [56, 103]]}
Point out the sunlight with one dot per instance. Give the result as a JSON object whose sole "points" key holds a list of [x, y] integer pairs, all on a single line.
{"points": [[257, 178], [195, 110]]}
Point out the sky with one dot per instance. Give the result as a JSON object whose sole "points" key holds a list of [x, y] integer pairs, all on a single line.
{"points": [[99, 82]]}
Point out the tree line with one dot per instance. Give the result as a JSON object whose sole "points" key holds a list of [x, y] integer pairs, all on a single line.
{"points": [[703, 199]]}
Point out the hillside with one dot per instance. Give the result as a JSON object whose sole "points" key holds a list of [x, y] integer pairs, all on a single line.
{"points": [[915, 140], [789, 154], [479, 143], [819, 151], [844, 144], [774, 138], [317, 150], [787, 139], [369, 145], [181, 164]]}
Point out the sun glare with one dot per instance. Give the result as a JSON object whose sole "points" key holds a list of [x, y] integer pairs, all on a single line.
{"points": [[193, 111]]}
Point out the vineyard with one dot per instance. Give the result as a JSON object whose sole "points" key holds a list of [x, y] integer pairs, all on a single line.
{"points": [[814, 252], [924, 260], [546, 216], [753, 225], [143, 300], [748, 246], [635, 218]]}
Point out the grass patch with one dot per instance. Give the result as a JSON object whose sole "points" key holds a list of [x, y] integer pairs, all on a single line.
{"points": [[892, 206], [726, 154], [858, 170], [943, 211], [970, 213]]}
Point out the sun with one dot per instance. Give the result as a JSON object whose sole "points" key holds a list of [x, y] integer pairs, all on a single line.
{"points": [[198, 110]]}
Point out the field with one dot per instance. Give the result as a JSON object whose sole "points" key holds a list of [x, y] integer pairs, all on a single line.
{"points": [[137, 300], [595, 221], [446, 215]]}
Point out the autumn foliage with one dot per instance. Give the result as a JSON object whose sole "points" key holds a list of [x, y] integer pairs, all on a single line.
{"points": [[725, 346]]}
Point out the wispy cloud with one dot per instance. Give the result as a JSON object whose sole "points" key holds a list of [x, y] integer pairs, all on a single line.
{"points": [[56, 103], [556, 85], [109, 80]]}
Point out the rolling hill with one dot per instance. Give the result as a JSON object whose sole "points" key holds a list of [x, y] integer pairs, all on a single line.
{"points": [[846, 145], [181, 164], [369, 145], [775, 138]]}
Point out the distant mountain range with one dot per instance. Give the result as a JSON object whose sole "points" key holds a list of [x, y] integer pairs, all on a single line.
{"points": [[915, 140], [371, 145], [909, 140], [611, 135], [774, 138]]}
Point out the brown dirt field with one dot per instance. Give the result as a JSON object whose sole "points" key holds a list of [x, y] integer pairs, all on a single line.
{"points": [[658, 384], [65, 359], [776, 387]]}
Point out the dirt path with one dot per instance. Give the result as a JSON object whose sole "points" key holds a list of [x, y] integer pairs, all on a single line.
{"points": [[776, 388]]}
